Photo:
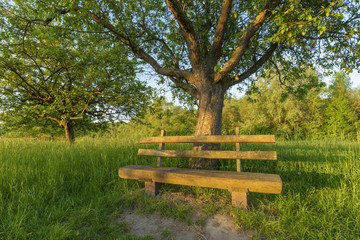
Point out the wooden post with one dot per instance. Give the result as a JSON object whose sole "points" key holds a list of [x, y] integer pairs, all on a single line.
{"points": [[238, 164], [239, 199], [152, 188], [161, 147]]}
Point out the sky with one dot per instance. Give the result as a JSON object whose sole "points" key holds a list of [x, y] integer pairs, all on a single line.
{"points": [[355, 79]]}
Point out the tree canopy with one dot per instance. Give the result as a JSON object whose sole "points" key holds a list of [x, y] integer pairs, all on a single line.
{"points": [[232, 39], [61, 77]]}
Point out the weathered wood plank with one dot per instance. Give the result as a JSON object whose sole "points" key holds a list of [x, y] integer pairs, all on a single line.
{"points": [[252, 155], [233, 181], [211, 139]]}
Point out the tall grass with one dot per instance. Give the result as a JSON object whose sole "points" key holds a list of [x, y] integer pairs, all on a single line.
{"points": [[320, 197], [56, 191], [50, 190]]}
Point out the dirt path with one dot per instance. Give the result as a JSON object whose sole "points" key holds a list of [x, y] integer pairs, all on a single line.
{"points": [[217, 227]]}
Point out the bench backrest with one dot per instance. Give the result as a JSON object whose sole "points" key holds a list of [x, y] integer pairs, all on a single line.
{"points": [[209, 154]]}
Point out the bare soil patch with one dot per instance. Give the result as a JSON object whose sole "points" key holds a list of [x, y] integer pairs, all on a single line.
{"points": [[218, 226]]}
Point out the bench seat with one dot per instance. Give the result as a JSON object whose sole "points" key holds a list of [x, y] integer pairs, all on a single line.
{"points": [[233, 181]]}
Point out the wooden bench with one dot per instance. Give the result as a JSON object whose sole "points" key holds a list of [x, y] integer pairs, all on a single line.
{"points": [[238, 183]]}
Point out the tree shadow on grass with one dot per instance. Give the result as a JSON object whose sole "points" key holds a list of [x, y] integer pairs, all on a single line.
{"points": [[300, 181], [296, 182]]}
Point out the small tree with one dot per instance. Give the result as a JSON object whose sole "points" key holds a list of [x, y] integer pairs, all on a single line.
{"points": [[45, 76]]}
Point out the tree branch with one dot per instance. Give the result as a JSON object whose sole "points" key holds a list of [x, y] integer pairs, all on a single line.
{"points": [[30, 89], [188, 30], [256, 66], [245, 39], [48, 20], [220, 30], [76, 118], [162, 41], [51, 118], [282, 82], [11, 92], [139, 52], [40, 70], [186, 87]]}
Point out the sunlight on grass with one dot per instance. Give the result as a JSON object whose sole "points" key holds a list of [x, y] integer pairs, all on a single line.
{"points": [[50, 190]]}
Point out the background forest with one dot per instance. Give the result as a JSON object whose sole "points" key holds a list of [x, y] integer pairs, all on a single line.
{"points": [[268, 107], [271, 108]]}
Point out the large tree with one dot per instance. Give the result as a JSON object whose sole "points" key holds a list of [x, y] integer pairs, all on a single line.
{"points": [[49, 75], [205, 47]]}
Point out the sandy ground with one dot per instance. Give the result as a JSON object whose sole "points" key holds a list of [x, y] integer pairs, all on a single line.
{"points": [[216, 227]]}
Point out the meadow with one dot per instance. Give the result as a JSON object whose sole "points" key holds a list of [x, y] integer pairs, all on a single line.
{"points": [[51, 190]]}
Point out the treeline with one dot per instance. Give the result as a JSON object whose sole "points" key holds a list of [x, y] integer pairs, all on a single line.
{"points": [[321, 111], [269, 107]]}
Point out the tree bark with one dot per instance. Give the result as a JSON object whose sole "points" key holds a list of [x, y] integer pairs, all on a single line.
{"points": [[211, 101], [69, 131]]}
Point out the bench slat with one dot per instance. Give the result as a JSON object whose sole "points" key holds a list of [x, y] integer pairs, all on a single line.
{"points": [[252, 155], [211, 139], [233, 181]]}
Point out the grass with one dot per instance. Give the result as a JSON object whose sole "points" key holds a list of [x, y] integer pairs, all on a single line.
{"points": [[56, 191], [320, 198]]}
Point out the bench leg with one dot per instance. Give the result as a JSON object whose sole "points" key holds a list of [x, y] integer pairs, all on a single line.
{"points": [[239, 199], [152, 188]]}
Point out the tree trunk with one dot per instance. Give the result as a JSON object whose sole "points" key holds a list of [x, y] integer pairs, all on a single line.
{"points": [[209, 120], [69, 131]]}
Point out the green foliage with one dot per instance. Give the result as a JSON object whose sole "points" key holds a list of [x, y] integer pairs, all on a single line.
{"points": [[339, 118], [355, 105], [312, 118], [163, 115], [340, 85], [318, 114], [325, 32], [53, 74], [269, 108]]}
